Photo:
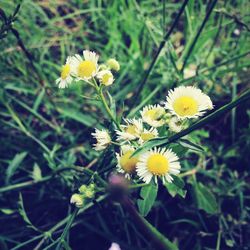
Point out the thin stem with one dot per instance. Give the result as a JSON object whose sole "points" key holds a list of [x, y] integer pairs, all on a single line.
{"points": [[198, 34], [67, 228], [161, 46], [47, 178], [107, 107], [138, 185]]}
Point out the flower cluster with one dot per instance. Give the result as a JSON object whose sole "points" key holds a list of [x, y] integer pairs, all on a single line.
{"points": [[86, 68], [182, 104]]}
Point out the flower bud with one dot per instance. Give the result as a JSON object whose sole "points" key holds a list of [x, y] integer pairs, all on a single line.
{"points": [[82, 189], [77, 200], [113, 64]]}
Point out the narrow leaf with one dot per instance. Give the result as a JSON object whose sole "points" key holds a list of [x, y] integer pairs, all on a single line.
{"points": [[14, 164], [190, 145], [148, 195]]}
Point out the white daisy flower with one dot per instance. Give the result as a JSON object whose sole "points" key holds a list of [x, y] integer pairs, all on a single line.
{"points": [[105, 77], [158, 162], [86, 67], [175, 124], [131, 130], [66, 78], [148, 134], [187, 102], [153, 115], [103, 139], [125, 164]]}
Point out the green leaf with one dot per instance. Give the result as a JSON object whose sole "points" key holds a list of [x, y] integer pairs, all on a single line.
{"points": [[148, 195], [204, 198], [178, 149], [176, 187], [14, 164], [190, 145], [7, 211], [22, 212], [76, 115], [36, 173]]}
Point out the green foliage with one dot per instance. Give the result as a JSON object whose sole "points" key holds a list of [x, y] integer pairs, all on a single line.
{"points": [[176, 187], [46, 133], [14, 164], [205, 199], [148, 195]]}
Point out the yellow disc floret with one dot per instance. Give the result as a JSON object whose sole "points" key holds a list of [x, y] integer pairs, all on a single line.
{"points": [[86, 69], [154, 114], [157, 164], [185, 106], [131, 129], [128, 164], [106, 78], [65, 71], [147, 136]]}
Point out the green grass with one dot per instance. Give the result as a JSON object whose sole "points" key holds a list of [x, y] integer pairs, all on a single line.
{"points": [[46, 132]]}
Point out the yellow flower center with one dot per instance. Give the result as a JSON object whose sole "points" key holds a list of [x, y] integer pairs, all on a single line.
{"points": [[105, 78], [147, 136], [154, 114], [185, 106], [65, 71], [86, 69], [128, 164], [157, 164], [131, 129]]}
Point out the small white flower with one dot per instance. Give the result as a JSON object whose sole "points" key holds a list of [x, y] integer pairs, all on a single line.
{"points": [[66, 79], [125, 163], [148, 134], [77, 199], [86, 67], [175, 124], [187, 102], [153, 115], [158, 162], [103, 139], [105, 77], [114, 246], [131, 130]]}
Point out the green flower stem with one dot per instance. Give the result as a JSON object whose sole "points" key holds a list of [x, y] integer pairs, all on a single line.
{"points": [[60, 224], [103, 99], [107, 108], [158, 240], [67, 228], [138, 185], [47, 178]]}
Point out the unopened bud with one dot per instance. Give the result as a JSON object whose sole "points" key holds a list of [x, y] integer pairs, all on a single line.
{"points": [[77, 200], [113, 64]]}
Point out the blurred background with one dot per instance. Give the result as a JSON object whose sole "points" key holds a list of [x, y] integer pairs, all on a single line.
{"points": [[44, 128]]}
